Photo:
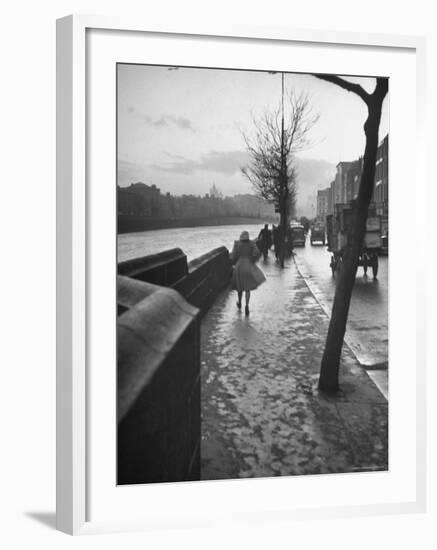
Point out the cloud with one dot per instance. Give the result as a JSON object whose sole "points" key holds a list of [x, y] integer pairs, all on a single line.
{"points": [[164, 120], [315, 173], [312, 175], [223, 162], [129, 172], [180, 122], [181, 175]]}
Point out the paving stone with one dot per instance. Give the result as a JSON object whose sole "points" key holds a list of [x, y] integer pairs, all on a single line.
{"points": [[262, 414]]}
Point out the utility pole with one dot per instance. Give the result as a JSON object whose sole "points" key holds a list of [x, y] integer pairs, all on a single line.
{"points": [[283, 179], [283, 182]]}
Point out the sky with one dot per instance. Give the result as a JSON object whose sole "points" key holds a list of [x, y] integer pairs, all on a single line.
{"points": [[182, 128]]}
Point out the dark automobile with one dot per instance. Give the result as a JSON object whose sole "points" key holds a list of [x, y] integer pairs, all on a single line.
{"points": [[318, 234], [297, 234], [384, 245]]}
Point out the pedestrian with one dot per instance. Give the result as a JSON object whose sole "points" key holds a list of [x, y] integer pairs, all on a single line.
{"points": [[276, 240], [289, 245], [264, 241], [247, 276]]}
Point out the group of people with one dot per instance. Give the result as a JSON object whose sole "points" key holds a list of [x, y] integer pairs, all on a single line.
{"points": [[268, 237], [247, 276]]}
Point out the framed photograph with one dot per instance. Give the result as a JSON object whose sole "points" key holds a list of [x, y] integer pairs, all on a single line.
{"points": [[237, 337]]}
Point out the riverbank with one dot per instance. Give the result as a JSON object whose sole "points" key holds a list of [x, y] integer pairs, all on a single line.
{"points": [[135, 224]]}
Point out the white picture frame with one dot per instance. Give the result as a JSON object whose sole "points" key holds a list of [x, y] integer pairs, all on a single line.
{"points": [[73, 342]]}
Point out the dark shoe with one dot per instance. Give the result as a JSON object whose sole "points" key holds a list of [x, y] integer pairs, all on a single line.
{"points": [[246, 310], [239, 305]]}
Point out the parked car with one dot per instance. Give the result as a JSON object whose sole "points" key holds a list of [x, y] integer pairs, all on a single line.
{"points": [[384, 245], [297, 234], [318, 234]]}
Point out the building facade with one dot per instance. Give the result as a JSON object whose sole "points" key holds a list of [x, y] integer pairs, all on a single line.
{"points": [[138, 199], [323, 196], [353, 179], [340, 182], [380, 194], [344, 189]]}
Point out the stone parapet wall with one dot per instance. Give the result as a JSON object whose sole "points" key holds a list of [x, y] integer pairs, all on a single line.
{"points": [[165, 268], [207, 276], [198, 281], [160, 299], [158, 385]]}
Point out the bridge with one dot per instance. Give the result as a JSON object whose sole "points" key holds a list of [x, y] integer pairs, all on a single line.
{"points": [[205, 392]]}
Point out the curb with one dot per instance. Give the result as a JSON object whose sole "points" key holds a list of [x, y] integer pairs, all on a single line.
{"points": [[375, 374]]}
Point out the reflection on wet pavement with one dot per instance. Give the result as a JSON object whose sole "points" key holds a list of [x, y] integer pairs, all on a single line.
{"points": [[262, 414], [367, 327]]}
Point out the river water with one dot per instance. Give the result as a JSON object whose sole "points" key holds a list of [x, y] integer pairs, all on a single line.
{"points": [[194, 241]]}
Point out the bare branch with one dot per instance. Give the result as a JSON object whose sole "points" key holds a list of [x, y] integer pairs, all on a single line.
{"points": [[271, 168], [346, 85]]}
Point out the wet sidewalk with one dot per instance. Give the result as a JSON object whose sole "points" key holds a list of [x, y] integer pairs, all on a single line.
{"points": [[262, 414]]}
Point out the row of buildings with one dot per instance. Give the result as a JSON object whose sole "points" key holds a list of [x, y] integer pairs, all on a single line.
{"points": [[138, 199], [344, 188], [147, 201]]}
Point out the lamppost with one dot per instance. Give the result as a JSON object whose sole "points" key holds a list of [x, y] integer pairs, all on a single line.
{"points": [[283, 183]]}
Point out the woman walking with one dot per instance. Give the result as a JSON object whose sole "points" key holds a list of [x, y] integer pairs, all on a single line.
{"points": [[247, 275]]}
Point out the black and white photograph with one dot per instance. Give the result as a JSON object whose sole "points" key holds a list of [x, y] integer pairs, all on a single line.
{"points": [[219, 298], [252, 273]]}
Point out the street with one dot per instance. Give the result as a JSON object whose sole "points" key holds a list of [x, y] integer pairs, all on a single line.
{"points": [[368, 314], [367, 326]]}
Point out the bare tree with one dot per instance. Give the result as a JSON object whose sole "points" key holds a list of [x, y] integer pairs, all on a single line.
{"points": [[329, 370], [272, 147]]}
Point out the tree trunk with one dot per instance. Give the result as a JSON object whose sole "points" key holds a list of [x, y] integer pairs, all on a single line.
{"points": [[282, 226], [329, 371], [283, 221]]}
